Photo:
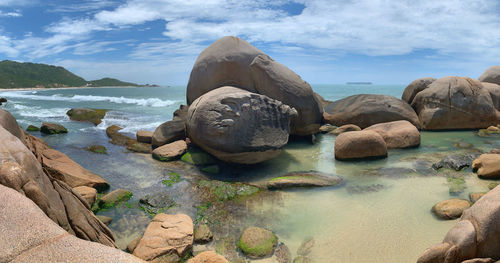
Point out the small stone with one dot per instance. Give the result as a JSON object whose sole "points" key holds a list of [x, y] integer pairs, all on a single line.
{"points": [[97, 149], [32, 128], [450, 209], [202, 234], [170, 151], [475, 196], [113, 198], [208, 257], [283, 254], [256, 242]]}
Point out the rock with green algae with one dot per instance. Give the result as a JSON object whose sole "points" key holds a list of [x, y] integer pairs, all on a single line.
{"points": [[211, 169], [456, 183], [52, 128], [256, 242], [202, 234], [32, 128], [198, 158], [304, 179], [113, 198], [123, 140], [156, 203], [94, 116], [97, 149], [215, 190]]}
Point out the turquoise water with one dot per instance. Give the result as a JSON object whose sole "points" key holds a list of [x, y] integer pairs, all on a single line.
{"points": [[381, 214]]}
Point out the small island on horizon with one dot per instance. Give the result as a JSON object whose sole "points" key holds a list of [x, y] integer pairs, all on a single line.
{"points": [[17, 75], [359, 83]]}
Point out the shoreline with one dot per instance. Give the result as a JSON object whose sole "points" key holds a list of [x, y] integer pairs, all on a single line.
{"points": [[65, 88]]}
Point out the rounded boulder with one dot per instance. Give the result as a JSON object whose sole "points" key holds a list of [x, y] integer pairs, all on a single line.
{"points": [[491, 75], [397, 134], [415, 87], [359, 145]]}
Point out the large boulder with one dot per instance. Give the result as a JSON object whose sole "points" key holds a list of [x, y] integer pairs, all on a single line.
{"points": [[21, 171], [487, 166], [365, 110], [455, 103], [28, 235], [280, 83], [494, 90], [94, 116], [476, 234], [52, 128], [9, 123], [491, 75], [226, 62], [359, 145], [238, 126], [168, 238], [415, 87], [168, 132], [397, 134]]}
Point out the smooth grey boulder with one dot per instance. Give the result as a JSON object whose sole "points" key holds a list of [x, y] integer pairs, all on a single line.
{"points": [[494, 91], [168, 132], [365, 110], [491, 75], [455, 103], [476, 234], [280, 83], [239, 126], [415, 87], [226, 62]]}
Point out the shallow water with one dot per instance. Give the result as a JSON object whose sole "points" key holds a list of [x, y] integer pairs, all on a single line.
{"points": [[381, 214]]}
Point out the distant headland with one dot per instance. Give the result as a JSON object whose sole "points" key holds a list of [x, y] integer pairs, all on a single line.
{"points": [[14, 75], [359, 83]]}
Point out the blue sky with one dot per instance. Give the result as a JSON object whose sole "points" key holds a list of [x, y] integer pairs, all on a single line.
{"points": [[157, 41]]}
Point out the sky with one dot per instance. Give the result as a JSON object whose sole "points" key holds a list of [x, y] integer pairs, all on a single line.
{"points": [[325, 42]]}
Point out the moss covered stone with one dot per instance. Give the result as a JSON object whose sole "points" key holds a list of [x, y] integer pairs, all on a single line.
{"points": [[113, 198], [97, 149], [211, 169], [198, 158], [32, 128], [94, 116], [221, 191], [52, 128], [456, 184], [256, 242]]}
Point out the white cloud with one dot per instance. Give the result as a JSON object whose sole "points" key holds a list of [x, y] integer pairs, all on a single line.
{"points": [[6, 47], [10, 14]]}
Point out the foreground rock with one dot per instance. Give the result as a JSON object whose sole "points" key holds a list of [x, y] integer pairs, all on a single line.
{"points": [[256, 242], [359, 145], [415, 87], [367, 109], [168, 132], [20, 170], [238, 126], [89, 194], [476, 235], [28, 235], [144, 136], [345, 128], [455, 103], [304, 179], [208, 257], [280, 83], [491, 75], [168, 238], [450, 209], [94, 116], [487, 166], [52, 128], [397, 134], [456, 162], [8, 122], [171, 151]]}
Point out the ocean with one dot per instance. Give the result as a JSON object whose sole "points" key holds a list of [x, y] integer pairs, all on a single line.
{"points": [[381, 214]]}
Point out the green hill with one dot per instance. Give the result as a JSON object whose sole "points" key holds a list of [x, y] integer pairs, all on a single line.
{"points": [[23, 75]]}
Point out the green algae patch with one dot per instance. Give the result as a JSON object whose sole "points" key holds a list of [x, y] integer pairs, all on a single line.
{"points": [[32, 128], [198, 158], [223, 191], [257, 242], [492, 185], [456, 184], [211, 169], [97, 149], [173, 178], [113, 198]]}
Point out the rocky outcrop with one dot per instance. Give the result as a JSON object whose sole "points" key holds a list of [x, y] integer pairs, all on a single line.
{"points": [[304, 179], [144, 136], [365, 110], [397, 134], [131, 144], [208, 257], [256, 242], [455, 103], [359, 145], [450, 209], [21, 171], [171, 151], [491, 75], [8, 122], [476, 235], [226, 62], [89, 194], [415, 87], [52, 128], [94, 116], [168, 132], [168, 238], [280, 83], [345, 128], [28, 235], [487, 166], [238, 126]]}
